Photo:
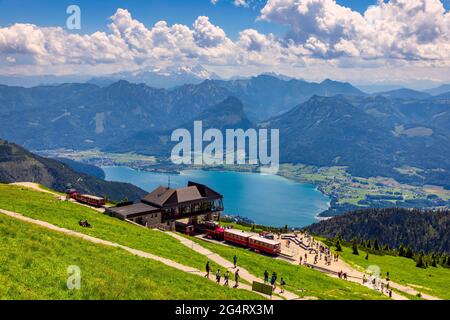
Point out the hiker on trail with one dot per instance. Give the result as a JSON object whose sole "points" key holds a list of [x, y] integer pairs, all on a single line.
{"points": [[282, 284], [266, 277], [235, 261], [364, 279], [218, 276], [382, 287], [387, 276], [300, 261], [345, 275], [306, 257], [236, 278], [226, 277], [207, 270], [274, 280], [390, 293]]}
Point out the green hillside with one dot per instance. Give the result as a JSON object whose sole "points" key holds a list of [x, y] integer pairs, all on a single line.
{"points": [[64, 214], [42, 248], [300, 280], [34, 262], [432, 280]]}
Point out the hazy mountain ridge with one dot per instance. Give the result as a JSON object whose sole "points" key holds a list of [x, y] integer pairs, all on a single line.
{"points": [[20, 165], [266, 96], [228, 114], [404, 93], [334, 131], [82, 116], [154, 77]]}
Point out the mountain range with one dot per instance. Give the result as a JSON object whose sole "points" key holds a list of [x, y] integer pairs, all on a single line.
{"points": [[20, 165], [324, 124], [228, 114], [155, 77], [83, 116], [372, 136], [166, 78]]}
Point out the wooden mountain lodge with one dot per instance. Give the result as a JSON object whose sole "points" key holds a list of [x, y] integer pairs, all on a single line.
{"points": [[164, 206]]}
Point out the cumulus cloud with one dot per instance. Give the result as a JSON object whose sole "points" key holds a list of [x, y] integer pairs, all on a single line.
{"points": [[320, 34], [398, 29]]}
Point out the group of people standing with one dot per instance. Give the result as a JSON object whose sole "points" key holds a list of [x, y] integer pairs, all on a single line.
{"points": [[226, 275], [342, 275], [273, 281]]}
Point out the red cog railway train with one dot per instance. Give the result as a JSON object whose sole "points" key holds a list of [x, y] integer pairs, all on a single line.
{"points": [[86, 198], [244, 239]]}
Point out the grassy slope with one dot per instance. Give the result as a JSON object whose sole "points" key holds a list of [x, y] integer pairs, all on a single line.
{"points": [[46, 207], [434, 281], [315, 283], [34, 261]]}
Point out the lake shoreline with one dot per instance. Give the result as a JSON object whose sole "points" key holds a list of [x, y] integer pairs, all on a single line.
{"points": [[294, 203]]}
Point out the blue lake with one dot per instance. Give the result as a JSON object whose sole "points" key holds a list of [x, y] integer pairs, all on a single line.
{"points": [[266, 199]]}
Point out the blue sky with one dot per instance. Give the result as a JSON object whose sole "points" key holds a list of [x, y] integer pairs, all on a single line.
{"points": [[95, 13]]}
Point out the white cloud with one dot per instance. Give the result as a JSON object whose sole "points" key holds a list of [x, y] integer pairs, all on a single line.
{"points": [[206, 34], [322, 39], [398, 29]]}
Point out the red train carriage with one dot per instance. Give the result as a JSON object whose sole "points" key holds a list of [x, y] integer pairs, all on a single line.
{"points": [[264, 245], [90, 200], [86, 198], [237, 236]]}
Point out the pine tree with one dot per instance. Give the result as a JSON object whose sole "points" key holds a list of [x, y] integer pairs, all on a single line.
{"points": [[433, 262], [401, 251], [386, 247], [367, 256], [375, 245], [355, 248], [420, 262], [409, 253], [338, 246]]}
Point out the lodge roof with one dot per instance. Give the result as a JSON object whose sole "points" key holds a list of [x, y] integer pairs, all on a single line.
{"points": [[133, 210], [167, 197]]}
